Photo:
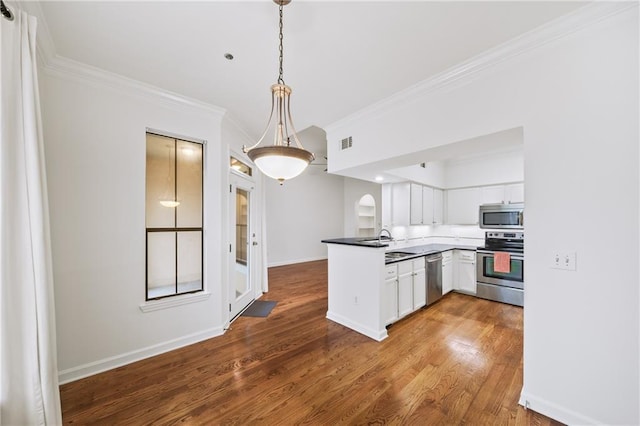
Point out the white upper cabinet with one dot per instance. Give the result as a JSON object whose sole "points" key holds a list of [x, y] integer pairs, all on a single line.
{"points": [[506, 194], [463, 205], [407, 203], [427, 205], [424, 209], [416, 204], [438, 206], [514, 193], [492, 194], [400, 201]]}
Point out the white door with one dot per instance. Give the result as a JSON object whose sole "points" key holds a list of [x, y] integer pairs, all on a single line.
{"points": [[241, 291]]}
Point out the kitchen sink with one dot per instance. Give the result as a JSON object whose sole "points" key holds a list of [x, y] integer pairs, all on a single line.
{"points": [[393, 255]]}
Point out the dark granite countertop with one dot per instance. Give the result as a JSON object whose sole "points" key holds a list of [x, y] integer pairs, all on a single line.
{"points": [[361, 242], [407, 252], [425, 250]]}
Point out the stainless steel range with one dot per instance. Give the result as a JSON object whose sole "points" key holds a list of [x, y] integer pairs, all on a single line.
{"points": [[500, 267]]}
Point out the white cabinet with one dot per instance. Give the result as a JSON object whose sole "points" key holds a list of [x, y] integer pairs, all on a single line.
{"points": [[400, 201], [389, 306], [514, 193], [466, 271], [415, 202], [492, 194], [463, 205], [505, 194], [438, 206], [404, 289], [425, 205], [419, 283], [447, 272]]}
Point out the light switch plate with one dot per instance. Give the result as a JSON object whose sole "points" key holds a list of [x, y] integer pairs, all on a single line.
{"points": [[565, 260]]}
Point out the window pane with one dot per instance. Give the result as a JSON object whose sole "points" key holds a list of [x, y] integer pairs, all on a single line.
{"points": [[160, 181], [161, 266], [239, 166], [189, 261], [189, 212]]}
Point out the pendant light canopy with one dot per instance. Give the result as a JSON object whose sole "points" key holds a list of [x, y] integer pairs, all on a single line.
{"points": [[286, 158]]}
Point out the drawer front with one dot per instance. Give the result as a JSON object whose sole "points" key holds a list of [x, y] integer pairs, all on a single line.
{"points": [[418, 264], [447, 256], [467, 255], [391, 272], [405, 267]]}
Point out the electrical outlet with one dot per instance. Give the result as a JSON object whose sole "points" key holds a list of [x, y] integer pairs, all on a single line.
{"points": [[564, 260]]}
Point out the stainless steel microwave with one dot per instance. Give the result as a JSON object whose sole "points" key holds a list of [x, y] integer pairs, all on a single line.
{"points": [[502, 216]]}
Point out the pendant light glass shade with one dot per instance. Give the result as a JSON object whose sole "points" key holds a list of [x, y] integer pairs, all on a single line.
{"points": [[169, 203], [282, 160]]}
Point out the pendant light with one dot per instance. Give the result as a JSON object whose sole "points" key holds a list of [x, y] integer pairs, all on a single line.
{"points": [[286, 158]]}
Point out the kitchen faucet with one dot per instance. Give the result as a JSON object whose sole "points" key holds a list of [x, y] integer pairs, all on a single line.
{"points": [[380, 235]]}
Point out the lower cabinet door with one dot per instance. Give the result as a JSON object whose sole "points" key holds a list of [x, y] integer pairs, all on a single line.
{"points": [[447, 278], [390, 301], [405, 294], [467, 277], [419, 289]]}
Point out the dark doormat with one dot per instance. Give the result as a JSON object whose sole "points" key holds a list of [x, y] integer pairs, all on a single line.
{"points": [[259, 308]]}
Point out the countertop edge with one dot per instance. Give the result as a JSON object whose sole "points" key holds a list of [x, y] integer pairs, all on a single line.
{"points": [[441, 249], [357, 242]]}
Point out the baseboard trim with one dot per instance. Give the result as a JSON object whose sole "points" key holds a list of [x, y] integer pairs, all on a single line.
{"points": [[292, 262], [373, 334], [555, 411], [89, 369]]}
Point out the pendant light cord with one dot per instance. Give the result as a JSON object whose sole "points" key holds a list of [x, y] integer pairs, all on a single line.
{"points": [[6, 12], [280, 79]]}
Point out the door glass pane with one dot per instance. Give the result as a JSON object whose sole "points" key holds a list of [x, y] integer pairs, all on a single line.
{"points": [[239, 166], [189, 261], [516, 273], [242, 242], [189, 184], [160, 181], [161, 274]]}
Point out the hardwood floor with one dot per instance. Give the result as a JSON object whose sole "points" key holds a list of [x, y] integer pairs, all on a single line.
{"points": [[456, 362]]}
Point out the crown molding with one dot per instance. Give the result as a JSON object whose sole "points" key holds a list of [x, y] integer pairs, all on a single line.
{"points": [[97, 77], [56, 65], [233, 121], [467, 70]]}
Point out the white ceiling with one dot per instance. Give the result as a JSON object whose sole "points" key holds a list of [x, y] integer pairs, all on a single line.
{"points": [[339, 56]]}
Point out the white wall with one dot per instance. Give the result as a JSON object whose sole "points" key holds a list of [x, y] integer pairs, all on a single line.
{"points": [[576, 99], [496, 168], [354, 189], [94, 133], [302, 212]]}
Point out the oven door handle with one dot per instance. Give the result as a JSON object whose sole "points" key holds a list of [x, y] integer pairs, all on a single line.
{"points": [[491, 253]]}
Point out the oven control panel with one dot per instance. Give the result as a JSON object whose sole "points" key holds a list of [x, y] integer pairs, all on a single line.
{"points": [[500, 235]]}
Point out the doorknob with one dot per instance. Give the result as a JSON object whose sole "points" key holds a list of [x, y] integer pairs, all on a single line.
{"points": [[255, 243]]}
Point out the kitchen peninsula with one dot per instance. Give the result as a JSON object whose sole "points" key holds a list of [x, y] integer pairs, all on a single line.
{"points": [[366, 291]]}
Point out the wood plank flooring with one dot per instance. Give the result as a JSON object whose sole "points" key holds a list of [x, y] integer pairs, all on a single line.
{"points": [[456, 362]]}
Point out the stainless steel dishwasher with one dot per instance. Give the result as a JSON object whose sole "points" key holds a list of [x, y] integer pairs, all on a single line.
{"points": [[434, 278]]}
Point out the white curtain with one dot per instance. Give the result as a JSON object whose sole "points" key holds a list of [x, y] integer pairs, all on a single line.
{"points": [[29, 376]]}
